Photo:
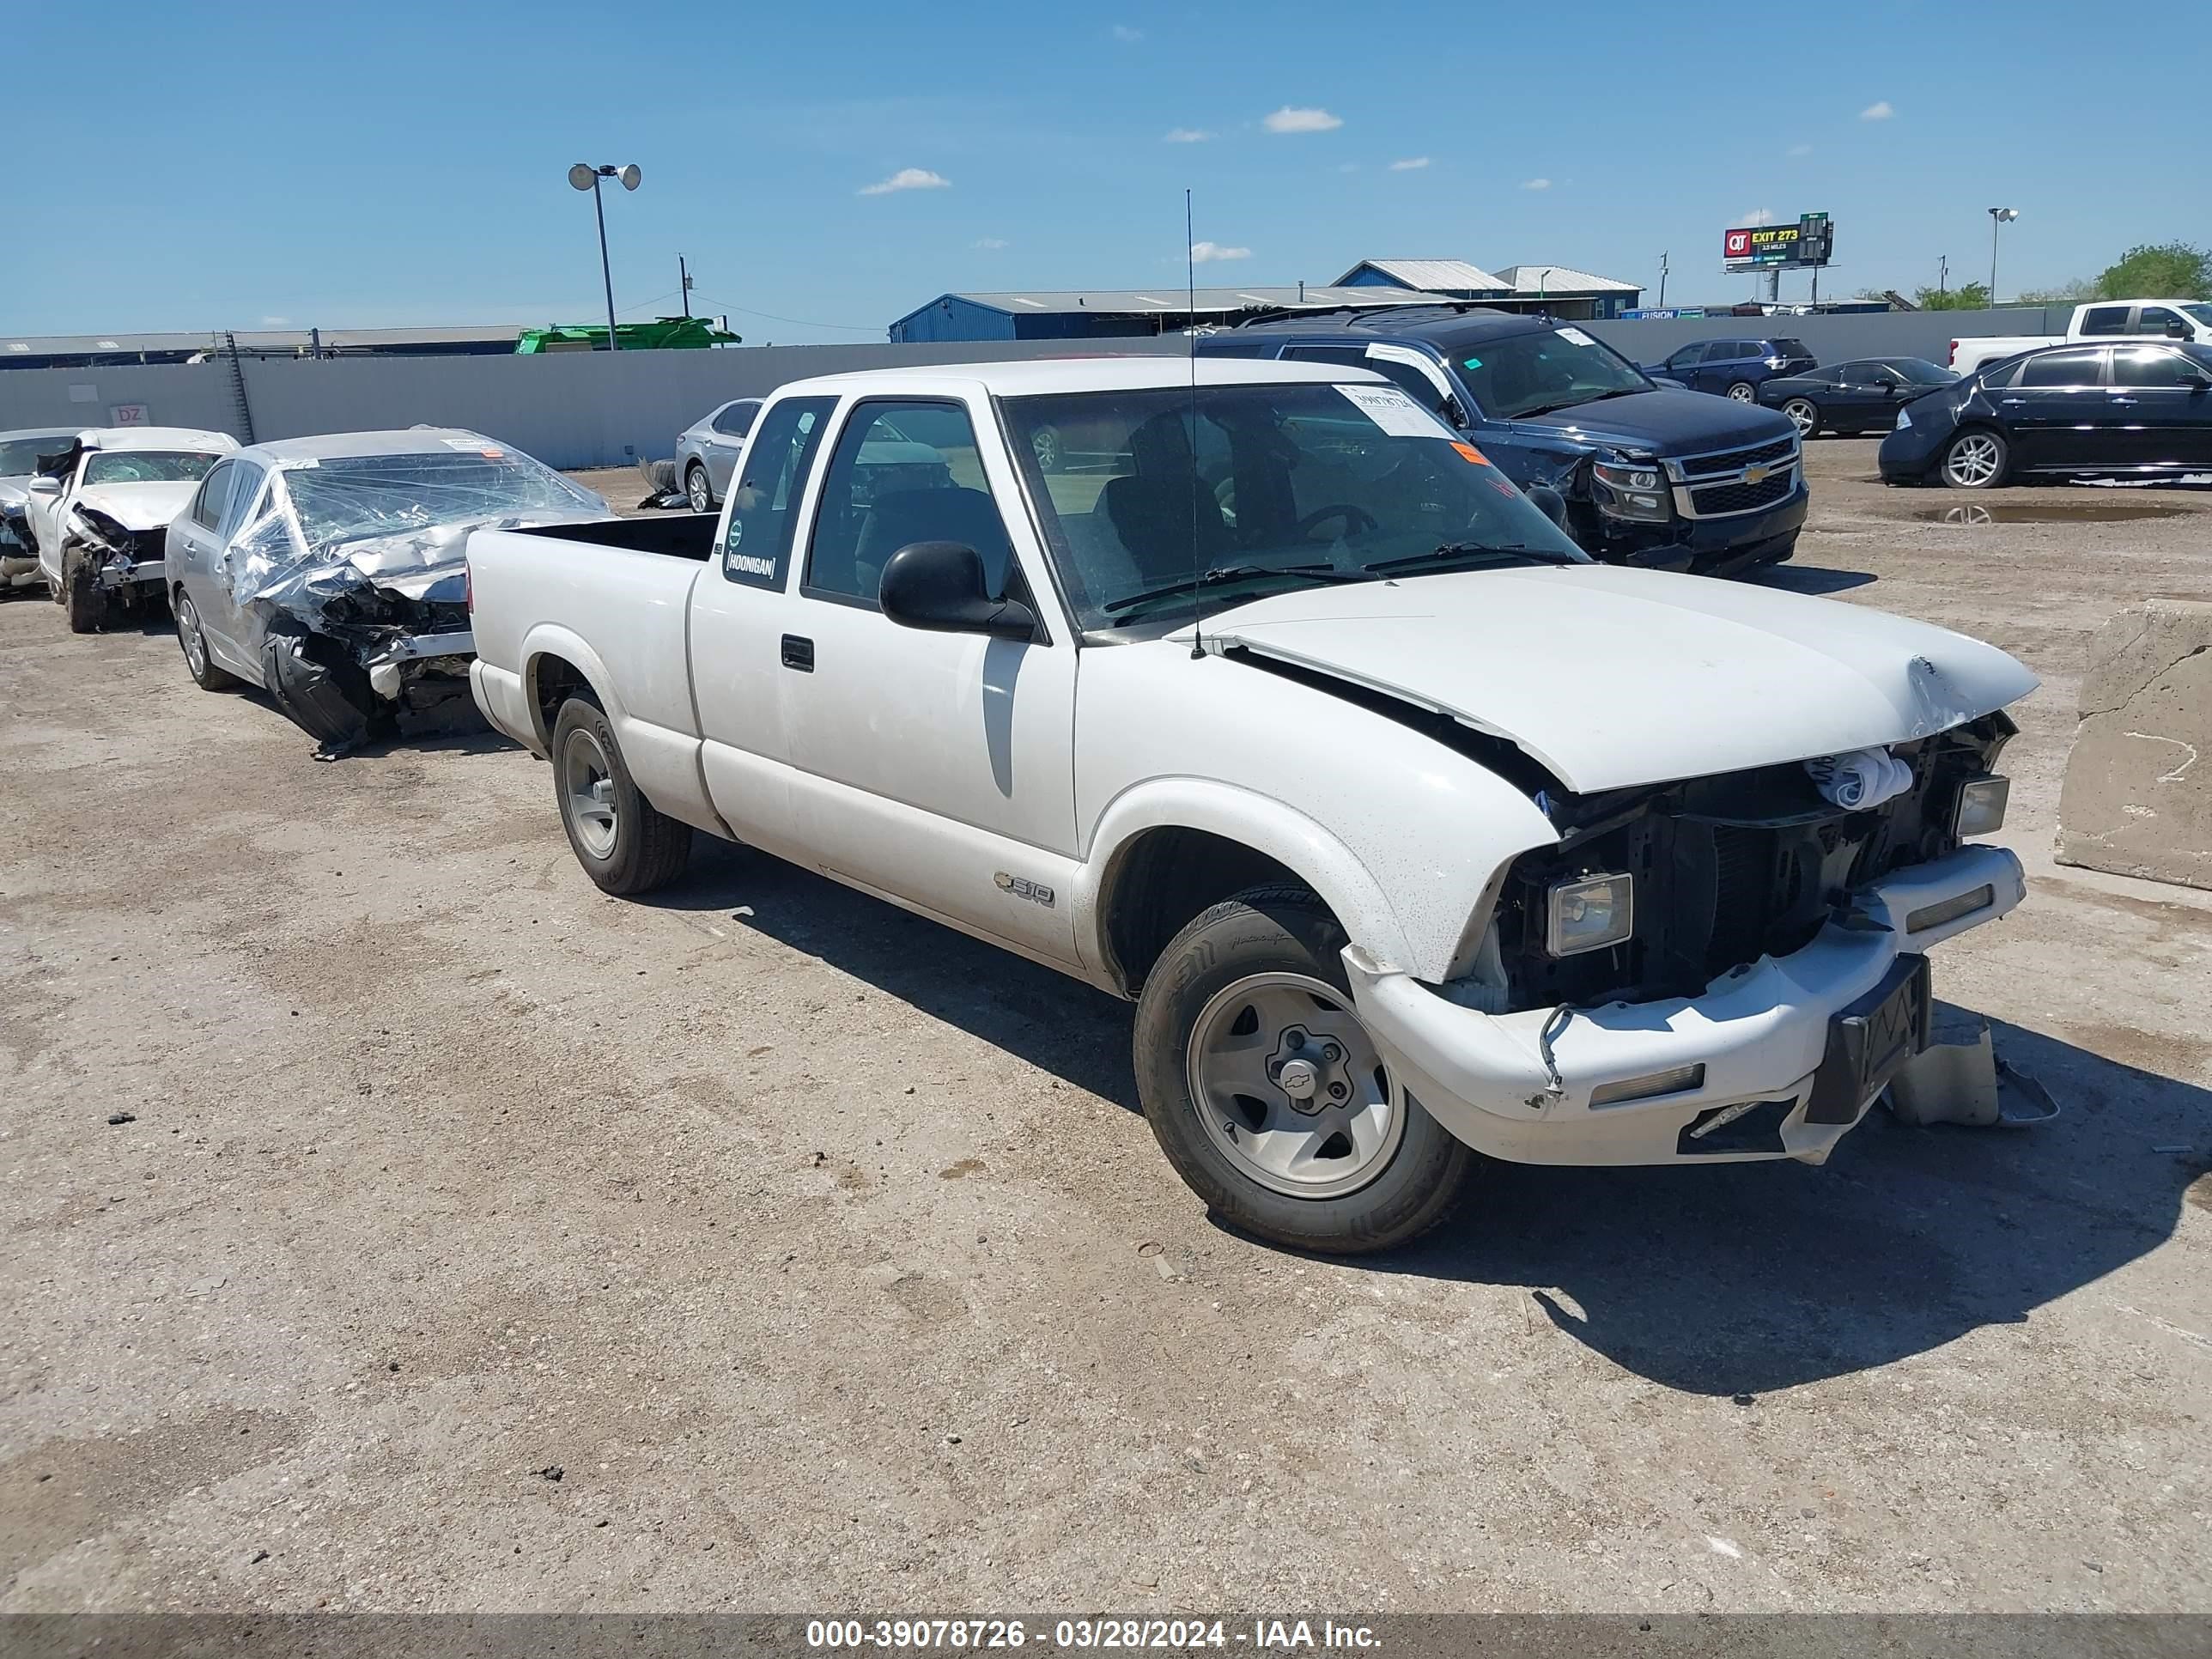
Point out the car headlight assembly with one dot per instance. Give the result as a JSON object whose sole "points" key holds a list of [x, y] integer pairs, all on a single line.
{"points": [[1904, 419], [1981, 808], [1635, 491], [1589, 913]]}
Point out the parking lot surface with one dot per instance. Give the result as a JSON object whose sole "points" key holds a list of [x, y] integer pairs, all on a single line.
{"points": [[396, 1222]]}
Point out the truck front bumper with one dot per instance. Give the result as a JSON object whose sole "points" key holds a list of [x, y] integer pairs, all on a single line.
{"points": [[1768, 1041]]}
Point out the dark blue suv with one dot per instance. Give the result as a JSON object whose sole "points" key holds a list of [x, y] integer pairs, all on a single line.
{"points": [[1734, 368], [1652, 475]]}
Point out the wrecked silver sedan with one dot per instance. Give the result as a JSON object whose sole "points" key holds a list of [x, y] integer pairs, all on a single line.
{"points": [[331, 572]]}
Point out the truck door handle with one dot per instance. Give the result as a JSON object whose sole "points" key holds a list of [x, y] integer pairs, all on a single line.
{"points": [[798, 653]]}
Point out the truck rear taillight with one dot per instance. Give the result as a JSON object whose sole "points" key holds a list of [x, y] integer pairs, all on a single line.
{"points": [[1952, 360]]}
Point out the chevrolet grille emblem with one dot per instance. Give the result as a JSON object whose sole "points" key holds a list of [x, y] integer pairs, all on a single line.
{"points": [[1754, 475]]}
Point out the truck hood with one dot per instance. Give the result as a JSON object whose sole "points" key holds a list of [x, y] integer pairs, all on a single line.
{"points": [[139, 506], [1612, 676], [1668, 422]]}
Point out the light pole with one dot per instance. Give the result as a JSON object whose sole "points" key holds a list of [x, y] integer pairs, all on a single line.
{"points": [[1998, 216], [585, 177], [1662, 281]]}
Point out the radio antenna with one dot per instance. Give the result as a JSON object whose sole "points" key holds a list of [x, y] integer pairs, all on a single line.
{"points": [[1197, 569]]}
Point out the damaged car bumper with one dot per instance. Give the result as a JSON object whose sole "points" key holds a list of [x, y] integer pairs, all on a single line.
{"points": [[388, 665], [1779, 1058]]}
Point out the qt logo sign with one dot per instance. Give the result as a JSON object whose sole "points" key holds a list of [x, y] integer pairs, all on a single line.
{"points": [[1739, 245]]}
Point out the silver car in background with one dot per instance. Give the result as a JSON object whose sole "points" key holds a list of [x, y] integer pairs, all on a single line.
{"points": [[332, 571], [18, 459], [706, 452]]}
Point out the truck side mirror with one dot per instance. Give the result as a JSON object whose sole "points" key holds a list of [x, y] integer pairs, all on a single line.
{"points": [[2176, 329], [938, 587]]}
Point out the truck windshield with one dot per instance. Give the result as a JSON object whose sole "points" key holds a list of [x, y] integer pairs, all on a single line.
{"points": [[147, 466], [1517, 375], [1260, 490], [2201, 314], [342, 498]]}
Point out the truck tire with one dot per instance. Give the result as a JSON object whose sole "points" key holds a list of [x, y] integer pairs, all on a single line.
{"points": [[81, 601], [198, 663], [625, 845], [1268, 1095]]}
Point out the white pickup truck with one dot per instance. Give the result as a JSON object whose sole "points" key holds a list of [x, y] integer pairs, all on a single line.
{"points": [[2101, 319], [1413, 833]]}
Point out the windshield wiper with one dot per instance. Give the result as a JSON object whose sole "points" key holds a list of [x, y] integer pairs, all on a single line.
{"points": [[1475, 553], [1214, 574]]}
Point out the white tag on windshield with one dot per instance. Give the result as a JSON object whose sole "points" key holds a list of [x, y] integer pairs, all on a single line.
{"points": [[1574, 336], [1393, 411]]}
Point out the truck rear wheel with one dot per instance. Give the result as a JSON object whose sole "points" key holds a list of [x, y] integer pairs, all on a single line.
{"points": [[1269, 1097], [625, 845]]}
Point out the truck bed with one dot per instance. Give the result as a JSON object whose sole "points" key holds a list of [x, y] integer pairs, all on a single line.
{"points": [[674, 535]]}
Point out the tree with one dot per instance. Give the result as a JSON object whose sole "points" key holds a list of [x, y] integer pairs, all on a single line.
{"points": [[2072, 293], [1968, 296], [2159, 270]]}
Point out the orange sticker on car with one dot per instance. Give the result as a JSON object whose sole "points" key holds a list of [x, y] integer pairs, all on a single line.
{"points": [[1469, 452]]}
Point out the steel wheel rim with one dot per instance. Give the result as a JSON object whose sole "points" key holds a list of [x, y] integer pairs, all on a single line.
{"points": [[587, 790], [1241, 1069], [188, 632], [1742, 394], [1803, 416], [1972, 460], [703, 496]]}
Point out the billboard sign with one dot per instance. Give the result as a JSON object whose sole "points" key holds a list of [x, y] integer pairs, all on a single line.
{"points": [[1759, 247]]}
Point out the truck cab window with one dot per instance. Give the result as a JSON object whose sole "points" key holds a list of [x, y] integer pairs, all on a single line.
{"points": [[2105, 319], [756, 549], [902, 472]]}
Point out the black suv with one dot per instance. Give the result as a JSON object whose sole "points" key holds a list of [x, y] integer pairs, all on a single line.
{"points": [[1735, 368], [1652, 475]]}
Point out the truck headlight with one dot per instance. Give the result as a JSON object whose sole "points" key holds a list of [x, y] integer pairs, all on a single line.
{"points": [[1981, 808], [1632, 489], [1904, 419], [1589, 913]]}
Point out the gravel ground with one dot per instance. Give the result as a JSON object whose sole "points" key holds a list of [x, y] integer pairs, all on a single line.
{"points": [[395, 1222]]}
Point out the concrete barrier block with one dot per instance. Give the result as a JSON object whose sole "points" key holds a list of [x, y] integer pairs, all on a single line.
{"points": [[2137, 798]]}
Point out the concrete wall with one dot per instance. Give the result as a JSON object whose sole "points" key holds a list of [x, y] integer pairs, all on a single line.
{"points": [[604, 409], [569, 409], [1834, 339]]}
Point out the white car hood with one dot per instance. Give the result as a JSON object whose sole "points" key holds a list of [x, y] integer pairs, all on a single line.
{"points": [[139, 506], [1613, 677]]}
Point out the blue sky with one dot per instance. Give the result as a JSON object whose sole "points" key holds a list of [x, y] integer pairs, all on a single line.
{"points": [[206, 167]]}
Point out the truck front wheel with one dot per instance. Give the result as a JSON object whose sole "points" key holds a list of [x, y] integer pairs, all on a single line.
{"points": [[1268, 1094], [624, 844]]}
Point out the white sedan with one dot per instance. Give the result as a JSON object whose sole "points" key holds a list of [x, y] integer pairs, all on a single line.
{"points": [[100, 510]]}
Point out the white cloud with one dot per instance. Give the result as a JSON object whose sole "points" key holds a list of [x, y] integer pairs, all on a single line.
{"points": [[1535, 183], [1411, 164], [1287, 119], [1800, 150], [1186, 136], [1122, 31], [1756, 216], [909, 179], [1206, 253], [1880, 112], [276, 322], [990, 244]]}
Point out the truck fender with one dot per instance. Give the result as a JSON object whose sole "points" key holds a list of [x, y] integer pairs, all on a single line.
{"points": [[1297, 842], [551, 640]]}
